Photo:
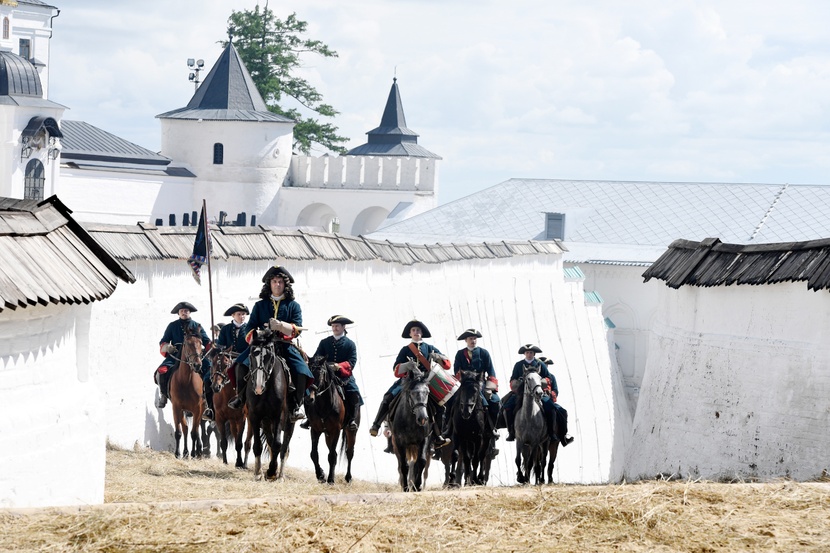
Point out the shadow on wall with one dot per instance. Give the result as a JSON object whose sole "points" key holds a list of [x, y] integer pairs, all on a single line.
{"points": [[158, 436]]}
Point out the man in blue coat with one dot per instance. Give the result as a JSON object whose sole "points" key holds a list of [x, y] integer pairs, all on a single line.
{"points": [[475, 359], [529, 363], [338, 348], [278, 310], [170, 344], [416, 331], [232, 337], [551, 390]]}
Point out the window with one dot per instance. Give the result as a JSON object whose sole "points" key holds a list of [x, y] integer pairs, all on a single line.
{"points": [[5, 27], [218, 154], [554, 226], [34, 180], [25, 48]]}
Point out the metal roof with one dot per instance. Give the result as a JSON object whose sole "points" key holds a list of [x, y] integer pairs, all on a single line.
{"points": [[228, 93], [88, 145], [143, 241], [18, 77], [49, 258], [712, 263], [392, 137]]}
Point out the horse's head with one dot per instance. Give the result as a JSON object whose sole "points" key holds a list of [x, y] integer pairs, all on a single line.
{"points": [[417, 394], [263, 358], [221, 362], [533, 385], [469, 393], [192, 347]]}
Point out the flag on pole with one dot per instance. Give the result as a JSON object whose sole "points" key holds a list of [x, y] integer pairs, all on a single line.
{"points": [[201, 247]]}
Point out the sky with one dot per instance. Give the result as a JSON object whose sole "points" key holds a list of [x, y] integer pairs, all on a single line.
{"points": [[644, 90]]}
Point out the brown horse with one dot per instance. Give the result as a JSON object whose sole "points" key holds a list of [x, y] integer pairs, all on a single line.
{"points": [[228, 419], [186, 390], [326, 416]]}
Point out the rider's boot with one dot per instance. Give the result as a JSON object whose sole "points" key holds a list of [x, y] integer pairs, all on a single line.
{"points": [[300, 382], [306, 424], [352, 410], [161, 400], [510, 419], [551, 424], [562, 419], [493, 415], [238, 401], [389, 448], [382, 410], [208, 412], [439, 441]]}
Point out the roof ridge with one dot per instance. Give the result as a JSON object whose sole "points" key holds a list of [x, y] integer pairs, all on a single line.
{"points": [[769, 211]]}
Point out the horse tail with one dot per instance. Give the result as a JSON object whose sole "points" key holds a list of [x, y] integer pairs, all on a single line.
{"points": [[343, 438]]}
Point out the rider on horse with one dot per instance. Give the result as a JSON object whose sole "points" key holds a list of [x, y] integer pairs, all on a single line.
{"points": [[232, 336], [551, 390], [338, 348], [476, 359], [277, 310], [423, 352], [529, 363], [171, 343]]}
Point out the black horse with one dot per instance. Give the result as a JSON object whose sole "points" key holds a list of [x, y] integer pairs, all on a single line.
{"points": [[411, 429], [470, 430], [265, 394], [326, 416]]}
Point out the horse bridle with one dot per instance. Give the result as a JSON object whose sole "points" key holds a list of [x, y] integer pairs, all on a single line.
{"points": [[415, 406], [195, 365]]}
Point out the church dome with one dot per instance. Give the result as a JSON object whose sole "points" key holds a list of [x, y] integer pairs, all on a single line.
{"points": [[18, 77]]}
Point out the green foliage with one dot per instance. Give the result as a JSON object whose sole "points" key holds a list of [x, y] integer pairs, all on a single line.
{"points": [[271, 49]]}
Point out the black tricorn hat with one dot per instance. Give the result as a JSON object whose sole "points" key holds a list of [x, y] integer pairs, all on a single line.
{"points": [[469, 333], [529, 347], [415, 322], [277, 270], [545, 360], [343, 320], [183, 305], [218, 326], [235, 308]]}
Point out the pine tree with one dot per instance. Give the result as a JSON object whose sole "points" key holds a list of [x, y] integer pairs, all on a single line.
{"points": [[271, 49]]}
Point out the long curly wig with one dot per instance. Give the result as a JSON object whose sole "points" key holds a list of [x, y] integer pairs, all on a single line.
{"points": [[265, 293]]}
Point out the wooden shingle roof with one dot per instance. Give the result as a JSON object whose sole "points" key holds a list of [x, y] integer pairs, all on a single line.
{"points": [[710, 262], [49, 258], [145, 241]]}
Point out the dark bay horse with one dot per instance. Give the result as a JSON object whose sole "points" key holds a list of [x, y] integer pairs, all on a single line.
{"points": [[228, 420], [470, 430], [265, 399], [186, 391], [326, 417], [531, 430], [411, 428]]}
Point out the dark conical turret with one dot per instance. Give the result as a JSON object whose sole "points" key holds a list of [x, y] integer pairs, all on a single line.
{"points": [[392, 137], [228, 93]]}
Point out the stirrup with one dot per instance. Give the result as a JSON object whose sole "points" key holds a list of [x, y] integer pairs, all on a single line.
{"points": [[352, 425], [305, 425], [236, 403]]}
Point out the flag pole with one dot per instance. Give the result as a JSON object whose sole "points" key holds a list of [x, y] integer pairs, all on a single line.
{"points": [[210, 279]]}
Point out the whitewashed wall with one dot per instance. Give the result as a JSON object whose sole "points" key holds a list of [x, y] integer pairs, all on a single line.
{"points": [[737, 385], [513, 301], [51, 412]]}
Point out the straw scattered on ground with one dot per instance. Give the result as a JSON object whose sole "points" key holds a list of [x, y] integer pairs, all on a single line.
{"points": [[155, 502]]}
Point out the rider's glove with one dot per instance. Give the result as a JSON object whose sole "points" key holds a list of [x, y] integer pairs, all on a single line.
{"points": [[345, 369], [168, 348]]}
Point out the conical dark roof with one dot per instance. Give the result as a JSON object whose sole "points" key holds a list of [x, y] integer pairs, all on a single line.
{"points": [[228, 93], [392, 137]]}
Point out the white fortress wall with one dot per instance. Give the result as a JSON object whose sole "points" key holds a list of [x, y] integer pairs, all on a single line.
{"points": [[363, 172], [737, 385], [52, 424], [512, 301]]}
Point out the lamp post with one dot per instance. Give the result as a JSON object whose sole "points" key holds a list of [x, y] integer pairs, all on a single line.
{"points": [[196, 66]]}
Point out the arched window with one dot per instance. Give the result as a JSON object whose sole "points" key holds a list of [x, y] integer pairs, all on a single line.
{"points": [[218, 154], [34, 180], [5, 27]]}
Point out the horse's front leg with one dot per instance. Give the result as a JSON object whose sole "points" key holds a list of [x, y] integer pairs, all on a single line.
{"points": [[284, 446], [403, 467], [331, 442], [257, 433], [519, 466], [271, 431], [196, 436], [315, 456], [351, 437]]}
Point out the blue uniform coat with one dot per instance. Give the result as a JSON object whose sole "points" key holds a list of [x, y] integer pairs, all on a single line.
{"points": [[234, 336], [337, 351], [288, 312], [405, 355], [479, 362]]}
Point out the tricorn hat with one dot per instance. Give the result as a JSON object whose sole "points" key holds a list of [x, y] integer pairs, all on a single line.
{"points": [[415, 322], [339, 319], [545, 360], [469, 333], [277, 270], [218, 326], [235, 308], [529, 347], [183, 305]]}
